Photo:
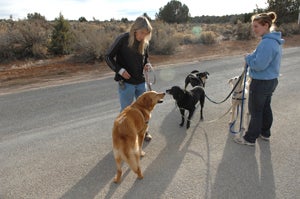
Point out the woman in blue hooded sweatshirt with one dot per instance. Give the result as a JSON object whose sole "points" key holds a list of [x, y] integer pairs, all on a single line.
{"points": [[264, 64]]}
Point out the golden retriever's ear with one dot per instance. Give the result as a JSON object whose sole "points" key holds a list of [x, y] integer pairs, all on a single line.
{"points": [[147, 101]]}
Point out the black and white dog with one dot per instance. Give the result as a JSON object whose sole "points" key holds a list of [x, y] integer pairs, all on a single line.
{"points": [[187, 100], [196, 78]]}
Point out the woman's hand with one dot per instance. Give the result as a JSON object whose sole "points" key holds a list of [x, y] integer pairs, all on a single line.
{"points": [[126, 75], [147, 67]]}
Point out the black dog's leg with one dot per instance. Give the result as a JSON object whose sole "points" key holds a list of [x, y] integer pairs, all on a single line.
{"points": [[182, 116], [201, 113], [185, 86], [187, 81], [202, 105], [191, 113]]}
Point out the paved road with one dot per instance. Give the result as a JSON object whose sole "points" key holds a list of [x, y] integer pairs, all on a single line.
{"points": [[56, 142]]}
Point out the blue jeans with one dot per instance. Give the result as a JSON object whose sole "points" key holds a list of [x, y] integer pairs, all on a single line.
{"points": [[129, 92], [259, 105]]}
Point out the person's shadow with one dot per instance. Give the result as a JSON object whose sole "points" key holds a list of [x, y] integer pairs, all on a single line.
{"points": [[242, 175], [267, 182]]}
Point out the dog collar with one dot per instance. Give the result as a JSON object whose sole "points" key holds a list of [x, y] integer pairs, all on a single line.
{"points": [[237, 92], [237, 98]]}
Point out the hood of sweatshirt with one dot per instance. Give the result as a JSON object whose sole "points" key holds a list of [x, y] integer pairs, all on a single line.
{"points": [[274, 35]]}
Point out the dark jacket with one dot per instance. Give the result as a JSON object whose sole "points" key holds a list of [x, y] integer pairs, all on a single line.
{"points": [[119, 55]]}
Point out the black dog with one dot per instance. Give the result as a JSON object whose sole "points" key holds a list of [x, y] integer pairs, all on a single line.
{"points": [[195, 78], [187, 100]]}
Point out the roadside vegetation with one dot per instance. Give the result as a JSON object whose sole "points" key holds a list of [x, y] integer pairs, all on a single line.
{"points": [[86, 41]]}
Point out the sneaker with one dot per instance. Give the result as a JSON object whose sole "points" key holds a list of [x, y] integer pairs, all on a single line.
{"points": [[148, 137], [264, 137], [241, 140]]}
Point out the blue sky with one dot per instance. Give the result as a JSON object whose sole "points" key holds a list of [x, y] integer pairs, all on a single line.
{"points": [[117, 9]]}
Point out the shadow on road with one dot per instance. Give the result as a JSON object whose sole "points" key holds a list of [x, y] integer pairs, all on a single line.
{"points": [[241, 175], [89, 186], [160, 173]]}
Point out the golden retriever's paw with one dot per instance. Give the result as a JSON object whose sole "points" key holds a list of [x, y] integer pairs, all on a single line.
{"points": [[117, 180], [140, 177], [143, 153], [139, 173]]}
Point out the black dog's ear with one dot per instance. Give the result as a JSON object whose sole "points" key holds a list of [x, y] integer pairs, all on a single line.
{"points": [[195, 71]]}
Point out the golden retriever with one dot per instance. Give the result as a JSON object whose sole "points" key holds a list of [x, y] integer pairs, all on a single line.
{"points": [[129, 131]]}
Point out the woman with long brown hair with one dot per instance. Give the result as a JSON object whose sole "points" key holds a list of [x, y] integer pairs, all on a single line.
{"points": [[128, 58]]}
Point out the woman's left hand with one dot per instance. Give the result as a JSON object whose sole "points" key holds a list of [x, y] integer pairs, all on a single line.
{"points": [[147, 67]]}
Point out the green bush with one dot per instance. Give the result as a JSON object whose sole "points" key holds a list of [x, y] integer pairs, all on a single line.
{"points": [[61, 38]]}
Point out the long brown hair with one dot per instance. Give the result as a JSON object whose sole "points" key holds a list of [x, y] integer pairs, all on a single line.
{"points": [[140, 23], [265, 18]]}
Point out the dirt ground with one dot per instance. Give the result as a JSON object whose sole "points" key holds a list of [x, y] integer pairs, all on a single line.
{"points": [[20, 76]]}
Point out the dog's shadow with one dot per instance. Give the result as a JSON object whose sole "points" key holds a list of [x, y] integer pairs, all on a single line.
{"points": [[89, 186], [162, 170]]}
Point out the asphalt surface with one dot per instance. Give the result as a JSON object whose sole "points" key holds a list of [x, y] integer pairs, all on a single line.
{"points": [[56, 142]]}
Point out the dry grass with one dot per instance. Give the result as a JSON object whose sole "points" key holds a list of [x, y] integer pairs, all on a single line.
{"points": [[26, 75]]}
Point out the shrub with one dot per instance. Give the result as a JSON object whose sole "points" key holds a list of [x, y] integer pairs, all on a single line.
{"points": [[243, 31], [208, 37], [61, 38], [32, 39], [23, 39], [91, 42], [289, 29], [88, 41], [162, 41], [6, 51]]}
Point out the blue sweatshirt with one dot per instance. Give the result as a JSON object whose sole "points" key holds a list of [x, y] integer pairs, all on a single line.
{"points": [[264, 62]]}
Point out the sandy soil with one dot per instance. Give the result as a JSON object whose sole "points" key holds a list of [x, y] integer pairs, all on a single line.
{"points": [[20, 76]]}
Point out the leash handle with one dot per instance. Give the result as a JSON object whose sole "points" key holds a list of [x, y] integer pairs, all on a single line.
{"points": [[147, 75]]}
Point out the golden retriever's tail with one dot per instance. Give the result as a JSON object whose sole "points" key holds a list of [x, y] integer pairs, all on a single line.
{"points": [[131, 157], [134, 163]]}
